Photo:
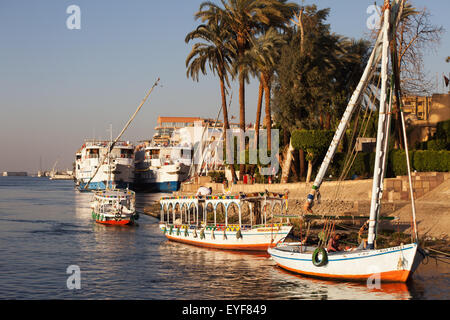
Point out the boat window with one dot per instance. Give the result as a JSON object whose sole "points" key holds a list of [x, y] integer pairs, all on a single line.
{"points": [[220, 214], [200, 214], [92, 153], [164, 212], [187, 154], [170, 212], [257, 214], [177, 212], [245, 213], [154, 154], [275, 211], [233, 214], [209, 214], [126, 153], [184, 213], [192, 214], [267, 213]]}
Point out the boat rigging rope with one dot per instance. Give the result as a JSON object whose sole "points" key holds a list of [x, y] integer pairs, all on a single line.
{"points": [[351, 155]]}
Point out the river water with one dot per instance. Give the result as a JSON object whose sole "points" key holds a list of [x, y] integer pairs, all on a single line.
{"points": [[46, 226]]}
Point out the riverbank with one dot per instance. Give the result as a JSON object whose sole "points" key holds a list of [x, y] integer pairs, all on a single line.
{"points": [[352, 198]]}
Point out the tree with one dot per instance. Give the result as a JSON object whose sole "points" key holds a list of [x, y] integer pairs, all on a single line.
{"points": [[263, 55], [315, 142], [316, 75], [215, 54], [415, 35], [244, 19]]}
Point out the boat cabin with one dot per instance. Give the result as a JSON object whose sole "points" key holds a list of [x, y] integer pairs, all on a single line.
{"points": [[246, 211]]}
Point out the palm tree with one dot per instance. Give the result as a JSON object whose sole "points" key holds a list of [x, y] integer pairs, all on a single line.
{"points": [[244, 19], [215, 54], [264, 54]]}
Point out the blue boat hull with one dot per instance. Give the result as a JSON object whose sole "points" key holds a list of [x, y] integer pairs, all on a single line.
{"points": [[93, 186]]}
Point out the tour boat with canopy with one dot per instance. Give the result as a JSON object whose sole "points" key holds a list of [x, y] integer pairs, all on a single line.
{"points": [[114, 207], [252, 221], [393, 264]]}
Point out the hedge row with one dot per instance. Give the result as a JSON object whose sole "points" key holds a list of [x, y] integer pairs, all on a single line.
{"points": [[421, 161]]}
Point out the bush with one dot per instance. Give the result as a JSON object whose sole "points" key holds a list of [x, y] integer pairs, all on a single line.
{"points": [[397, 161], [217, 176], [420, 160], [425, 161], [436, 145], [362, 165], [443, 130], [315, 140]]}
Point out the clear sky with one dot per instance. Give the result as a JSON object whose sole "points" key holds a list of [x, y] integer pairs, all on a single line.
{"points": [[60, 86]]}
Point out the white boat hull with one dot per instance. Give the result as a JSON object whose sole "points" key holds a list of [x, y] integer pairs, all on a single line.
{"points": [[393, 264], [119, 173], [255, 239], [161, 179]]}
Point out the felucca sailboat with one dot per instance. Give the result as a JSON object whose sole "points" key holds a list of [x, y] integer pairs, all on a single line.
{"points": [[394, 264]]}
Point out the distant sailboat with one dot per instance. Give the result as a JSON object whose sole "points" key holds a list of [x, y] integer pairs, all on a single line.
{"points": [[40, 173]]}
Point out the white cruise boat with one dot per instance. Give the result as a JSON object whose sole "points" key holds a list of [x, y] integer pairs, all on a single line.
{"points": [[160, 167], [119, 172]]}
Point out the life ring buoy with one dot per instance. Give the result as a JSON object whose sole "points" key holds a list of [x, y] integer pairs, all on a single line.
{"points": [[316, 260]]}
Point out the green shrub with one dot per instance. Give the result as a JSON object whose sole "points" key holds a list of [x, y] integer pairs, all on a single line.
{"points": [[312, 139], [426, 161], [362, 165], [397, 161], [436, 145], [217, 176], [443, 130], [420, 160]]}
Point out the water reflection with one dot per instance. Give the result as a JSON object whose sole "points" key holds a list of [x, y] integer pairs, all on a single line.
{"points": [[213, 274], [48, 226], [331, 290]]}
